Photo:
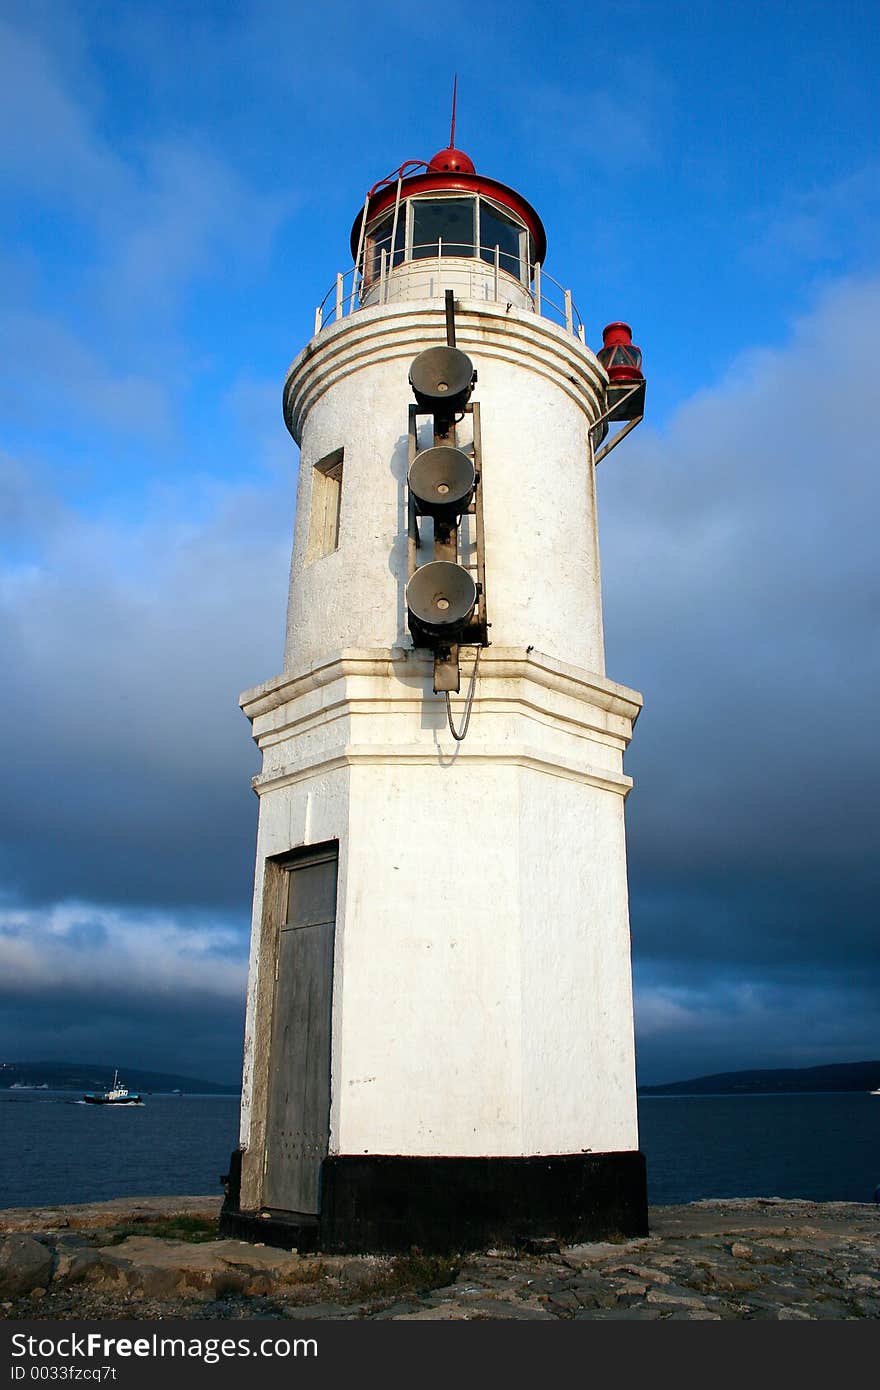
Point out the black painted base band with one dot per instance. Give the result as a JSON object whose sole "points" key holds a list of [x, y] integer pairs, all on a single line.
{"points": [[389, 1204]]}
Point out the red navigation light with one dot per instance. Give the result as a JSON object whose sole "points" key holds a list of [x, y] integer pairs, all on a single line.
{"points": [[619, 355]]}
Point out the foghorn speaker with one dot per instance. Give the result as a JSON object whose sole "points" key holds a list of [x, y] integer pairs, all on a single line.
{"points": [[442, 379], [442, 482], [440, 597]]}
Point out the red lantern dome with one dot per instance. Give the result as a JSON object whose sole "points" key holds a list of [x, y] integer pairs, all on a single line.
{"points": [[619, 355], [451, 161]]}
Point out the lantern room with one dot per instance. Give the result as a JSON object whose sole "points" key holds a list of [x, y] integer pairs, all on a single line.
{"points": [[446, 223], [435, 229]]}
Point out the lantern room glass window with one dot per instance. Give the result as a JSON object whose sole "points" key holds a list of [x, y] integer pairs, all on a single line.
{"points": [[451, 221], [380, 240], [453, 226], [499, 230]]}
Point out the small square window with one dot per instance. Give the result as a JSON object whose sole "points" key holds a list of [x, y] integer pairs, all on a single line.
{"points": [[326, 507]]}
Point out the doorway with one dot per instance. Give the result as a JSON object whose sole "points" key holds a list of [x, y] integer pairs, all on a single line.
{"points": [[298, 1119]]}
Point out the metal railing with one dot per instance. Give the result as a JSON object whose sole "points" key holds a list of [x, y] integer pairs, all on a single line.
{"points": [[471, 276]]}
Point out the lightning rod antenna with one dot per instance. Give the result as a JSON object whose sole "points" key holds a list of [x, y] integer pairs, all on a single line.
{"points": [[452, 128]]}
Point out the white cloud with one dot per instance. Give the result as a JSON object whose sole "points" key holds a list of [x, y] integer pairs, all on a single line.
{"points": [[163, 211], [81, 950], [192, 214], [824, 222], [49, 140], [47, 361], [617, 126]]}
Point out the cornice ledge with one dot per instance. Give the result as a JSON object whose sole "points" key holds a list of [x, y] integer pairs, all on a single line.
{"points": [[354, 755], [383, 331], [406, 665], [430, 312]]}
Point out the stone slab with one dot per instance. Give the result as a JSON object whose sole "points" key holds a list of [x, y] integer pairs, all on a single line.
{"points": [[86, 1216], [748, 1261]]}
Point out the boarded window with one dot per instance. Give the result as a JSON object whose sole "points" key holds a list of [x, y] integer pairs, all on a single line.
{"points": [[326, 507]]}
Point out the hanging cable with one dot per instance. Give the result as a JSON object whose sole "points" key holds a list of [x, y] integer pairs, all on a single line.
{"points": [[468, 706]]}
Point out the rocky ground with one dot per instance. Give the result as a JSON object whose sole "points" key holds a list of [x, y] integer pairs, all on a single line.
{"points": [[155, 1258]]}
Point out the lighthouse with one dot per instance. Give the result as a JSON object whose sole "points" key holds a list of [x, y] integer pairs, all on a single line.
{"points": [[439, 1039]]}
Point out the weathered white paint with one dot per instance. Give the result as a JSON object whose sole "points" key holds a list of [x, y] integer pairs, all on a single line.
{"points": [[538, 389], [482, 989], [482, 985]]}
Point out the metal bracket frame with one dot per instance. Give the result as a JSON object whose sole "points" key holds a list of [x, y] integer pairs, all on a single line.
{"points": [[609, 415]]}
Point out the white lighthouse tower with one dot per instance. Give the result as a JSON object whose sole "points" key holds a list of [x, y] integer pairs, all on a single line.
{"points": [[439, 1040]]}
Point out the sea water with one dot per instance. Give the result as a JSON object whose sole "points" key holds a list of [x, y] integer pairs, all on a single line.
{"points": [[819, 1146], [53, 1149], [823, 1147]]}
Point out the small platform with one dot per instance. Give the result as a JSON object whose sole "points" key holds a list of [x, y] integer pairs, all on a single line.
{"points": [[625, 400]]}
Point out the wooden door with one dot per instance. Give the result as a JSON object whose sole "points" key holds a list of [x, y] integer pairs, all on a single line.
{"points": [[298, 1130]]}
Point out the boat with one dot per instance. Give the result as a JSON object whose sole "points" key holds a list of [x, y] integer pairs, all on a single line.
{"points": [[116, 1095], [875, 1093]]}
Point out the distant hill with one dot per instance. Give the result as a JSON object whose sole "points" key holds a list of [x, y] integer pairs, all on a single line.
{"points": [[841, 1076], [86, 1076]]}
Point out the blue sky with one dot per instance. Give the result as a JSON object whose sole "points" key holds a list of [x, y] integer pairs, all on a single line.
{"points": [[178, 183]]}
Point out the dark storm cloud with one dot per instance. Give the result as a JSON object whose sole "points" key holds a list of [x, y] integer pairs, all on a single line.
{"points": [[204, 1042], [741, 597], [127, 761], [762, 919], [790, 1013], [741, 586], [82, 982]]}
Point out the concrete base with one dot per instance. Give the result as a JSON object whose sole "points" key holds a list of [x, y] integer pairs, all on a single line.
{"points": [[390, 1204]]}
